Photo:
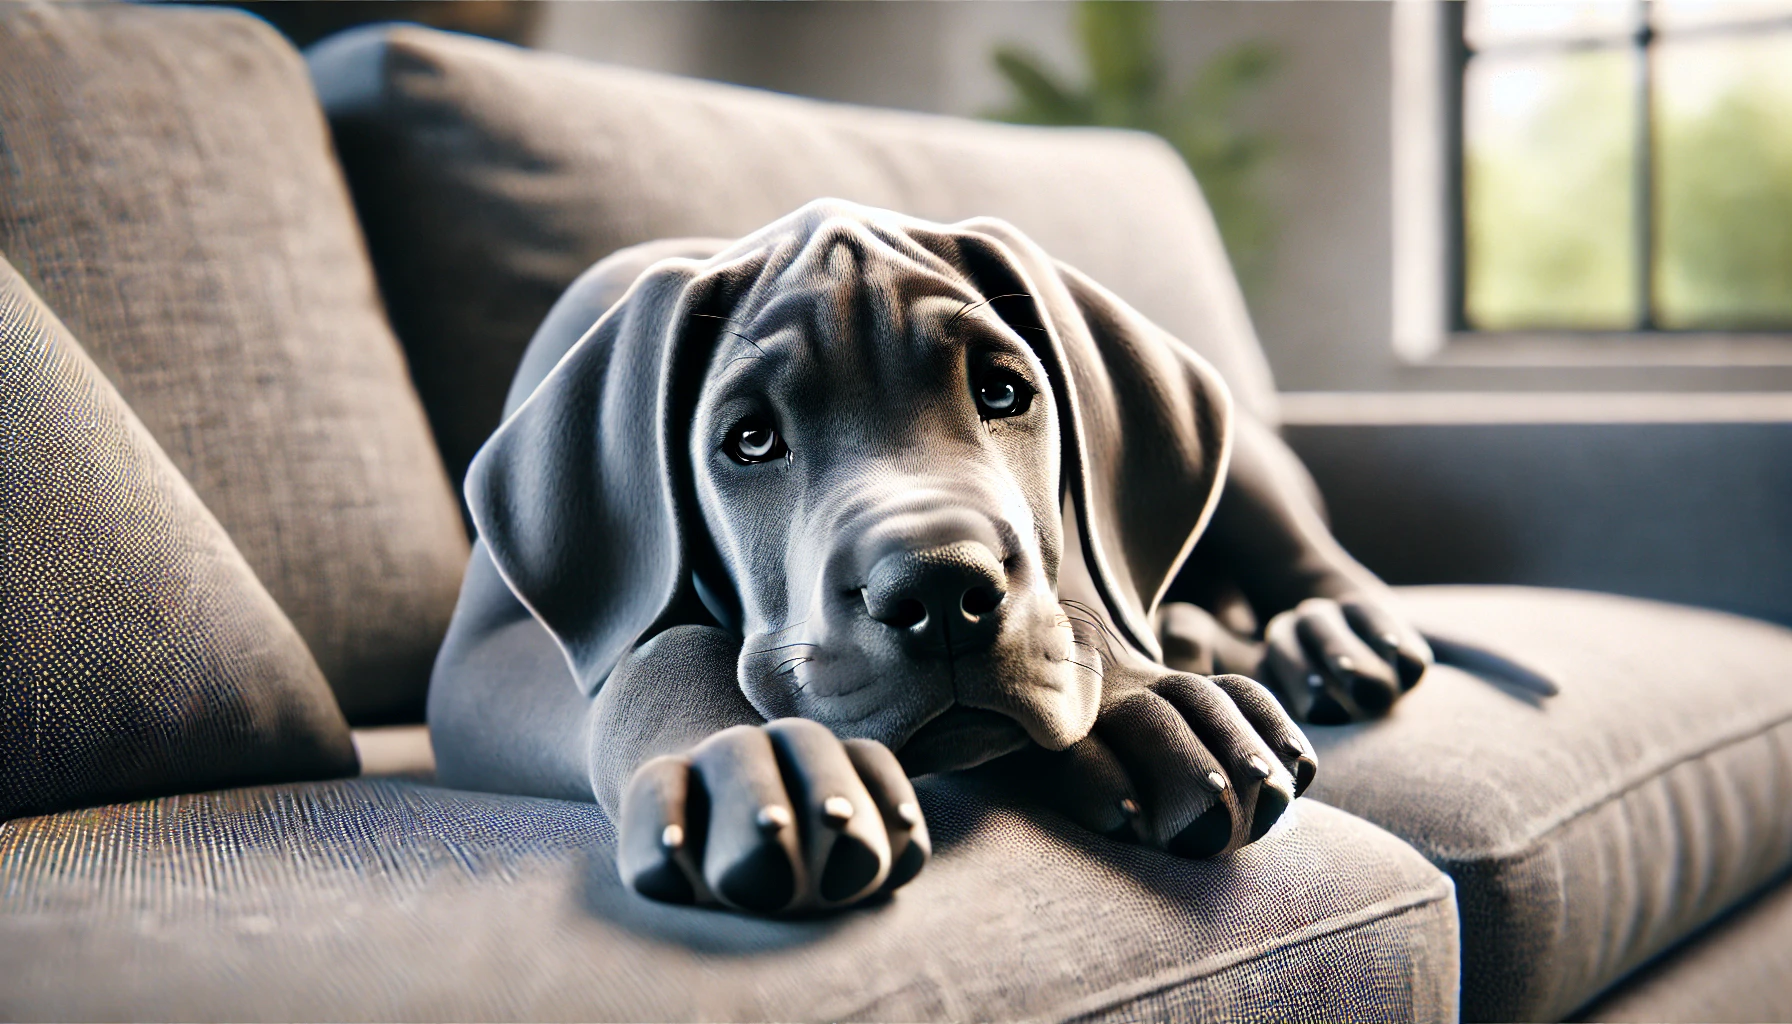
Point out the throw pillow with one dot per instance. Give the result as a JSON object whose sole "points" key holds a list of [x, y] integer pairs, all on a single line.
{"points": [[139, 655], [167, 183]]}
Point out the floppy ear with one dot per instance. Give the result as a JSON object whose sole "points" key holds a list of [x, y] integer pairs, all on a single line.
{"points": [[580, 495], [1146, 422]]}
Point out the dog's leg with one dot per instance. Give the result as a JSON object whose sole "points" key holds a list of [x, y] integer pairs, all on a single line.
{"points": [[504, 712], [715, 804], [1336, 646]]}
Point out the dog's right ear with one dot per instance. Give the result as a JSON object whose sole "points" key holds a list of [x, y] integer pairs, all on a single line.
{"points": [[580, 495]]}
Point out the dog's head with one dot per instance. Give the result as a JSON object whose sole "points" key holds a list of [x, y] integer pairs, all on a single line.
{"points": [[930, 476]]}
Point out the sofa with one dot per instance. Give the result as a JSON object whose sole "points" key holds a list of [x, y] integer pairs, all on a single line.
{"points": [[259, 309]]}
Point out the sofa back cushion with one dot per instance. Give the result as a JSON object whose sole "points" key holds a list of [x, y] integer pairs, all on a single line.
{"points": [[488, 177], [166, 183], [139, 655]]}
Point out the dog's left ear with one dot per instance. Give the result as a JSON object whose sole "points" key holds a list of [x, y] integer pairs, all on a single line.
{"points": [[1147, 423], [581, 496]]}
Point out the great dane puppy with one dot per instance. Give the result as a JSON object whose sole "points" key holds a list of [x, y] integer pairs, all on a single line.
{"points": [[774, 524]]}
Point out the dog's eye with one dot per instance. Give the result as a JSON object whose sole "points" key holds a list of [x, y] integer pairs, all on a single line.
{"points": [[1002, 393], [754, 440]]}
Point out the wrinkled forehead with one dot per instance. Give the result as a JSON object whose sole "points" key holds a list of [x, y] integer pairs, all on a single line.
{"points": [[858, 302]]}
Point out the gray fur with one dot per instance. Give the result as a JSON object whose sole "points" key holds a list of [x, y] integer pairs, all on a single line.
{"points": [[918, 573]]}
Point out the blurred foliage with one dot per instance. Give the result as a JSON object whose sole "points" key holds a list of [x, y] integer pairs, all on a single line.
{"points": [[1128, 87], [1549, 212], [1726, 214], [1547, 203]]}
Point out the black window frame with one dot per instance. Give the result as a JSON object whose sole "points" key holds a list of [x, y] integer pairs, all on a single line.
{"points": [[1642, 41]]}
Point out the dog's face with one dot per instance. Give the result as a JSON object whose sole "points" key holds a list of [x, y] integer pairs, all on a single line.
{"points": [[922, 469], [876, 455]]}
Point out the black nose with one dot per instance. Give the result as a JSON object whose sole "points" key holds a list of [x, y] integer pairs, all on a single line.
{"points": [[958, 586]]}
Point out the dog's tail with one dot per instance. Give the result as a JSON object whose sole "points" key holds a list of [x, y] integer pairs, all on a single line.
{"points": [[1491, 665]]}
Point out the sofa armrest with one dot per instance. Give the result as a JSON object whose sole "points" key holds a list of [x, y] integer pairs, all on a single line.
{"points": [[1679, 497]]}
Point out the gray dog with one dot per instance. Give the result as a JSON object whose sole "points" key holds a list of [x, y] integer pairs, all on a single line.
{"points": [[774, 524]]}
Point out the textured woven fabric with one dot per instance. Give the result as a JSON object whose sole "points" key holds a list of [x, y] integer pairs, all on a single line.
{"points": [[386, 900], [138, 653], [1738, 970], [489, 177], [166, 184], [1589, 831]]}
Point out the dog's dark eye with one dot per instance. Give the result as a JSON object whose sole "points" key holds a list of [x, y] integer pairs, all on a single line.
{"points": [[1001, 393], [754, 440]]}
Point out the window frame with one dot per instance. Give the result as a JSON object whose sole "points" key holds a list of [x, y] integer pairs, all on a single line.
{"points": [[1650, 341]]}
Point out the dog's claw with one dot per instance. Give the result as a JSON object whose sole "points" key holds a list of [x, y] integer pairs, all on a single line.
{"points": [[742, 821], [837, 810]]}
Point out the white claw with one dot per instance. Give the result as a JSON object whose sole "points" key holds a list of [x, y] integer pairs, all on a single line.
{"points": [[673, 837], [837, 810], [772, 817], [1216, 782], [909, 812]]}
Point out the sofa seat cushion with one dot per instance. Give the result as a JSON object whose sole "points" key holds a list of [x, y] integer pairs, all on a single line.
{"points": [[167, 186], [488, 177], [1739, 969], [1588, 831], [384, 899]]}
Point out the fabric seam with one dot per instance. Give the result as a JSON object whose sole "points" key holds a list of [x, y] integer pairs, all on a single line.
{"points": [[1522, 848]]}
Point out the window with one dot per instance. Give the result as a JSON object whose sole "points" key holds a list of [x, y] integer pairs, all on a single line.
{"points": [[1624, 166]]}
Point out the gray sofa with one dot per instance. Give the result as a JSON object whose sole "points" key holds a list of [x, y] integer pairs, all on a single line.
{"points": [[292, 322]]}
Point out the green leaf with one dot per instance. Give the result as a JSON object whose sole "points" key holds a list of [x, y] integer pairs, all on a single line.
{"points": [[1120, 41], [1128, 87], [1040, 98]]}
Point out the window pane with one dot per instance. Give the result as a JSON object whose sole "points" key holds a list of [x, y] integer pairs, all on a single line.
{"points": [[1488, 24], [1547, 189], [1672, 15], [1724, 181]]}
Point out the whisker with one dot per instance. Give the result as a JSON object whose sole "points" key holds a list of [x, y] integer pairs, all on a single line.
{"points": [[737, 334], [1093, 614], [780, 647], [1101, 634], [969, 307]]}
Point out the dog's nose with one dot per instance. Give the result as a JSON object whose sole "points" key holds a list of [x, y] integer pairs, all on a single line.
{"points": [[959, 586]]}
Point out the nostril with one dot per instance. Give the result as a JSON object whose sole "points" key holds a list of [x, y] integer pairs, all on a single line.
{"points": [[981, 600], [905, 614]]}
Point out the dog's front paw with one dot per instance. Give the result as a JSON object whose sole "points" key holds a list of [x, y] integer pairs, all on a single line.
{"points": [[1342, 661], [772, 819], [1189, 764]]}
